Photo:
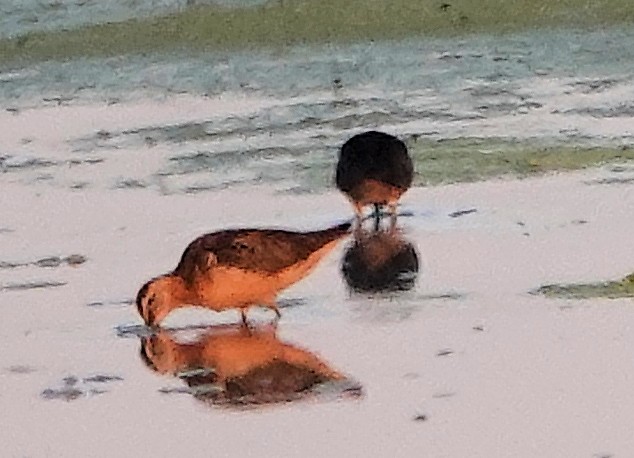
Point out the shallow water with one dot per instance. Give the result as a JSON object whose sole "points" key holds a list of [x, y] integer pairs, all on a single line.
{"points": [[281, 115]]}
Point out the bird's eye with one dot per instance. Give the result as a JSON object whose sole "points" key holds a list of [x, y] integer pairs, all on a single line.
{"points": [[150, 301]]}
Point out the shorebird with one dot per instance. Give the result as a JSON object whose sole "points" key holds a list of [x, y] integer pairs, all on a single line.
{"points": [[236, 268], [374, 168], [236, 364]]}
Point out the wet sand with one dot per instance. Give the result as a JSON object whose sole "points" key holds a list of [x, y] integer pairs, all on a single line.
{"points": [[488, 370]]}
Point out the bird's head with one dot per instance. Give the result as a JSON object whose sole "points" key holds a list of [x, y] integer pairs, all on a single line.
{"points": [[156, 299]]}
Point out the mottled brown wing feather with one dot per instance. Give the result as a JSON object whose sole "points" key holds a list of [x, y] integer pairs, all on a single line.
{"points": [[263, 250]]}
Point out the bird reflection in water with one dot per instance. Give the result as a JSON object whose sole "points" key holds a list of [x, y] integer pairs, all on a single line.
{"points": [[240, 366], [380, 260]]}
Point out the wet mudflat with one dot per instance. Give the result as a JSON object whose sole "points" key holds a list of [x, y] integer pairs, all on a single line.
{"points": [[506, 319], [467, 344]]}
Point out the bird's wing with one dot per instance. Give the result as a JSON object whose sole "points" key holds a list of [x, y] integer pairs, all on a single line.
{"points": [[257, 250], [261, 250]]}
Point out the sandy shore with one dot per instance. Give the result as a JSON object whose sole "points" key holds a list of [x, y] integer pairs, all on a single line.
{"points": [[494, 370]]}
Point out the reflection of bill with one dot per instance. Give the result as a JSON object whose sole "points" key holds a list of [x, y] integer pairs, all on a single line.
{"points": [[380, 261], [238, 365]]}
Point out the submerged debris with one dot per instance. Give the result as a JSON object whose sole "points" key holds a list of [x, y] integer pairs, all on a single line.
{"points": [[459, 213], [445, 352], [121, 302], [103, 378], [20, 369], [31, 285], [608, 290], [73, 388], [49, 261]]}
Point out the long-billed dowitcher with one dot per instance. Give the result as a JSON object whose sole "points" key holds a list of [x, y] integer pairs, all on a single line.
{"points": [[236, 269]]}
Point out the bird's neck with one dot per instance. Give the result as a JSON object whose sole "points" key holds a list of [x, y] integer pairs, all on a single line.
{"points": [[179, 293]]}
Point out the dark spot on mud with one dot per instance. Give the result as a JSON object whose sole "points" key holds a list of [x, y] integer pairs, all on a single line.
{"points": [[133, 331], [20, 369], [478, 328], [59, 100], [459, 213], [578, 222], [613, 180], [32, 285], [48, 262], [449, 296], [73, 388], [18, 163], [623, 110], [448, 56], [291, 302], [130, 183], [53, 261], [122, 302], [103, 378], [95, 304], [64, 394], [73, 162], [75, 259], [594, 86], [444, 395], [445, 352], [421, 417]]}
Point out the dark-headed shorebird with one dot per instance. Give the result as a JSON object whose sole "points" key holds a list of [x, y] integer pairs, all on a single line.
{"points": [[236, 269], [374, 168]]}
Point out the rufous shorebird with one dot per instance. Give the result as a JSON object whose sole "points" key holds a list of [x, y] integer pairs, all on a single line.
{"points": [[236, 269], [239, 364], [374, 168]]}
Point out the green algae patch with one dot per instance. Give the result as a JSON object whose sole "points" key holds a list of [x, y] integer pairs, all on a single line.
{"points": [[608, 290], [476, 159], [290, 22]]}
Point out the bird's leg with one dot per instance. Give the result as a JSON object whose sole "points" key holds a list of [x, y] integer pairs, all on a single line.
{"points": [[377, 217], [273, 306], [243, 312], [358, 210], [392, 208]]}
